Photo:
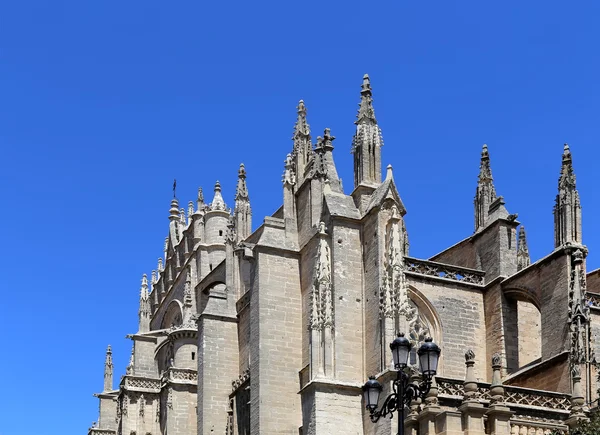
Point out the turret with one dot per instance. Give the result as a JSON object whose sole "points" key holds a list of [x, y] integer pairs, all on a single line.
{"points": [[486, 192], [216, 218], [367, 141], [567, 210], [523, 259], [145, 311], [242, 213], [108, 370], [302, 152]]}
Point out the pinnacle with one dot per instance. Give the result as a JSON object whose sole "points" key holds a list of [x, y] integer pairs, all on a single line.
{"points": [[217, 186], [109, 349], [241, 191], [389, 173], [174, 210], [365, 110]]}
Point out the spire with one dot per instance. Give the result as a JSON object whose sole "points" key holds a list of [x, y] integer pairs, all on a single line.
{"points": [[302, 151], [367, 141], [324, 166], [523, 259], [108, 370], [486, 192], [145, 310], [242, 213], [241, 191], [217, 202], [567, 208]]}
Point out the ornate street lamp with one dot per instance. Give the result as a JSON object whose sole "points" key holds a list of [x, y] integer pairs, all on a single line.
{"points": [[403, 392]]}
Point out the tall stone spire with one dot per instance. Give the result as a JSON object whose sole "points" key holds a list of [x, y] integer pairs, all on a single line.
{"points": [[567, 209], [302, 151], [486, 192], [523, 259], [108, 370], [324, 166], [242, 213], [218, 203], [367, 141], [145, 310]]}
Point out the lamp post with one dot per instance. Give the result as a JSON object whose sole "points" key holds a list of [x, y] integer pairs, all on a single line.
{"points": [[403, 391]]}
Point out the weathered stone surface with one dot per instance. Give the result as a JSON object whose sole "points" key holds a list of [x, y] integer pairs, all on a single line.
{"points": [[275, 331]]}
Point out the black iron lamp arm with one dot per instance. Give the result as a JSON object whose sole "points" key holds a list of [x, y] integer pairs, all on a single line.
{"points": [[403, 393]]}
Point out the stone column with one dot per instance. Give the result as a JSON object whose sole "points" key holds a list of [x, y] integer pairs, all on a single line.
{"points": [[498, 413], [427, 417], [471, 409], [577, 400]]}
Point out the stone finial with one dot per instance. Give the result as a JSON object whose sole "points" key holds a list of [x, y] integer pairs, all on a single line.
{"points": [[218, 203], [182, 217], [366, 113], [108, 370], [389, 173], [523, 258], [327, 140], [190, 210], [153, 280], [160, 265], [496, 389], [470, 384], [174, 210]]}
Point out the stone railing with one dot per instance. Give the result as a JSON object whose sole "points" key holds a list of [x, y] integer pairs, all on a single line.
{"points": [[96, 431], [518, 427], [142, 384], [514, 396], [592, 300], [183, 375], [444, 271]]}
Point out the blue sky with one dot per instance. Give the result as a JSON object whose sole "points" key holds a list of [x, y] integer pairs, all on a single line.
{"points": [[102, 104]]}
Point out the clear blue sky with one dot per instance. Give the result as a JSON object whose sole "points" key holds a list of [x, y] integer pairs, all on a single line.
{"points": [[102, 104]]}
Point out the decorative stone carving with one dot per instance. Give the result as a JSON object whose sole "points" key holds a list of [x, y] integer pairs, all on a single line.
{"points": [[170, 398], [444, 271], [142, 405], [289, 174], [321, 298], [242, 379]]}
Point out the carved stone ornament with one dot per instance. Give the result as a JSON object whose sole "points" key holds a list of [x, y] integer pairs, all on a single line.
{"points": [[496, 360], [469, 355], [321, 297]]}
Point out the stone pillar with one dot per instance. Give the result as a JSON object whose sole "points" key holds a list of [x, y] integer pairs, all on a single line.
{"points": [[428, 416], [498, 413], [472, 410], [411, 422], [577, 400]]}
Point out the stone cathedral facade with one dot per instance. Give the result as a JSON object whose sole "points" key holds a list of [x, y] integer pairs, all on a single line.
{"points": [[274, 331]]}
